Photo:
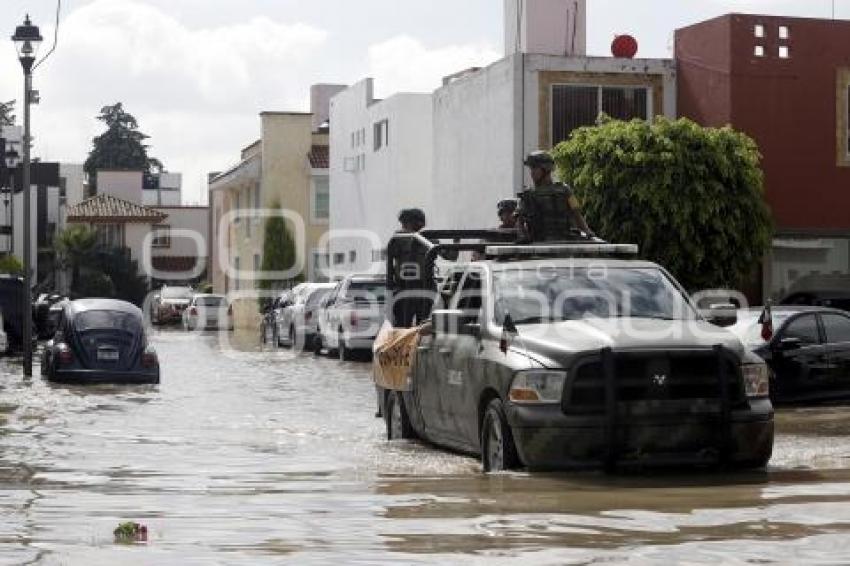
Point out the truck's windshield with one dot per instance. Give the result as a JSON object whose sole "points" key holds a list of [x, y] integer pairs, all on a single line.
{"points": [[553, 294]]}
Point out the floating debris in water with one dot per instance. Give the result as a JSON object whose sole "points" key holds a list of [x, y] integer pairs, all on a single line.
{"points": [[131, 532]]}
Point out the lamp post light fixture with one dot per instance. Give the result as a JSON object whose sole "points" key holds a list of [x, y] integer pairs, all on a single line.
{"points": [[12, 159], [27, 40]]}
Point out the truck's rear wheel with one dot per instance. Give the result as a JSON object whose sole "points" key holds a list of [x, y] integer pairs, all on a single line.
{"points": [[498, 452], [398, 422]]}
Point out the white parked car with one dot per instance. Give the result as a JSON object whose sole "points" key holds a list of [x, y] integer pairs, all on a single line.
{"points": [[352, 315], [297, 324], [207, 312]]}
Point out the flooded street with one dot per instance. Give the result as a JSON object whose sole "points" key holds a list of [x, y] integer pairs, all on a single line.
{"points": [[259, 457]]}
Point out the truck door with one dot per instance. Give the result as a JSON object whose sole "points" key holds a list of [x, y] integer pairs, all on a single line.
{"points": [[460, 393]]}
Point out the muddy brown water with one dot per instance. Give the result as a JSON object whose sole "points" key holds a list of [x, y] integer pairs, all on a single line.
{"points": [[245, 456]]}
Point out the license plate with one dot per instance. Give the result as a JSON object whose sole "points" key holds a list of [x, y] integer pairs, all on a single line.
{"points": [[107, 355]]}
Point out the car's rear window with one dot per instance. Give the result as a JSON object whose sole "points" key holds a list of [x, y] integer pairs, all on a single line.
{"points": [[316, 296], [209, 301], [176, 293], [367, 291], [107, 320]]}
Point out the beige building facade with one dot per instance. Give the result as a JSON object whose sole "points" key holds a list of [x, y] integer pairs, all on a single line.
{"points": [[284, 172]]}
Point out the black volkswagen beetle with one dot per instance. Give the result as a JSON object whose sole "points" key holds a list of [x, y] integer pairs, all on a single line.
{"points": [[100, 341]]}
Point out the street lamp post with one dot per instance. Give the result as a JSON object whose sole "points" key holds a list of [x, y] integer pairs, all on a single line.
{"points": [[27, 40]]}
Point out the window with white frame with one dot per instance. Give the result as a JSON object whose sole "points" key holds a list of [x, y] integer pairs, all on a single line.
{"points": [[575, 106], [161, 236], [381, 134], [320, 200], [352, 256], [339, 258]]}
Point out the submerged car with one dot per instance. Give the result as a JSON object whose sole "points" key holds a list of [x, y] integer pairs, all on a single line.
{"points": [[169, 304], [570, 361], [100, 341], [806, 348]]}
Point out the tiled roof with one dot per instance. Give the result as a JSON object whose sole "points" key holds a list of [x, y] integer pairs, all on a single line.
{"points": [[107, 208], [320, 157]]}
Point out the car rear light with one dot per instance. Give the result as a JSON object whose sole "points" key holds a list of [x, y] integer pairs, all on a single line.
{"points": [[193, 311], [65, 355], [756, 380], [149, 358]]}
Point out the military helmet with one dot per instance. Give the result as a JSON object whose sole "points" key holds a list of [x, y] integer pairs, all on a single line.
{"points": [[411, 216], [507, 205], [540, 159]]}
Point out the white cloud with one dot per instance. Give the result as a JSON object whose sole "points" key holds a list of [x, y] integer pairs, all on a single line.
{"points": [[196, 92], [405, 64]]}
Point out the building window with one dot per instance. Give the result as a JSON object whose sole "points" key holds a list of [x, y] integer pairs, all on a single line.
{"points": [[161, 236], [784, 32], [339, 258], [574, 106], [758, 51], [320, 200], [784, 52], [381, 134], [237, 206], [352, 256], [110, 235], [758, 30]]}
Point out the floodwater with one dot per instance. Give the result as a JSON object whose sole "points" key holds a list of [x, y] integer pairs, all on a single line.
{"points": [[259, 457]]}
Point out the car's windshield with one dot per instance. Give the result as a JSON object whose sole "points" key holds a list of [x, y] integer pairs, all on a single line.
{"points": [[367, 291], [176, 293], [749, 330], [107, 320], [553, 294], [209, 301]]}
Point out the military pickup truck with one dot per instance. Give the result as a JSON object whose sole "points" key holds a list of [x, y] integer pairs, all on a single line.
{"points": [[579, 356]]}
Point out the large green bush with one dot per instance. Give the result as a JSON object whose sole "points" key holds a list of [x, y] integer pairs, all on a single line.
{"points": [[691, 197]]}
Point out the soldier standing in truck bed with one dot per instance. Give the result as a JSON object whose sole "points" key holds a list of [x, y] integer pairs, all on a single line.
{"points": [[549, 212], [410, 276]]}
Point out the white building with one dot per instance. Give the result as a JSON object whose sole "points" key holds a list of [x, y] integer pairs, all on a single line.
{"points": [[170, 243], [380, 162], [458, 151]]}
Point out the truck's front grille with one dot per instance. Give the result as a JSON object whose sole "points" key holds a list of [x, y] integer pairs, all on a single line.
{"points": [[656, 376]]}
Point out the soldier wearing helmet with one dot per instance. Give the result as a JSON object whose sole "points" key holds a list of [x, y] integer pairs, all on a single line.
{"points": [[506, 210], [549, 211], [410, 277]]}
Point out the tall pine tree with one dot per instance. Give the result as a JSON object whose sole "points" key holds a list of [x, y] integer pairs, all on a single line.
{"points": [[121, 146]]}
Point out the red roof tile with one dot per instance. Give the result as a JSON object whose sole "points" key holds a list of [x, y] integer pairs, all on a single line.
{"points": [[107, 208]]}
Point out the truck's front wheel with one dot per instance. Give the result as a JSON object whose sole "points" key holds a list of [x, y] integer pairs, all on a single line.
{"points": [[498, 452]]}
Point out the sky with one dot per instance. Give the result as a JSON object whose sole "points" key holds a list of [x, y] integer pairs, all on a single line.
{"points": [[196, 73]]}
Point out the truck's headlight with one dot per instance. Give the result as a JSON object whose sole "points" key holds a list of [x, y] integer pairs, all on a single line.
{"points": [[538, 387], [756, 380]]}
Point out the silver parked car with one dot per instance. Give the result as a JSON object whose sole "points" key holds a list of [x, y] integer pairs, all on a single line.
{"points": [[298, 323], [353, 315]]}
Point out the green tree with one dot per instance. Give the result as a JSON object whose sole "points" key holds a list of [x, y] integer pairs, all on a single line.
{"points": [[121, 146], [10, 265], [7, 113], [76, 246], [691, 197], [278, 254]]}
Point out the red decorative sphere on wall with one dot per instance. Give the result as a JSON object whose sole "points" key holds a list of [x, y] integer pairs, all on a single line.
{"points": [[624, 47]]}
